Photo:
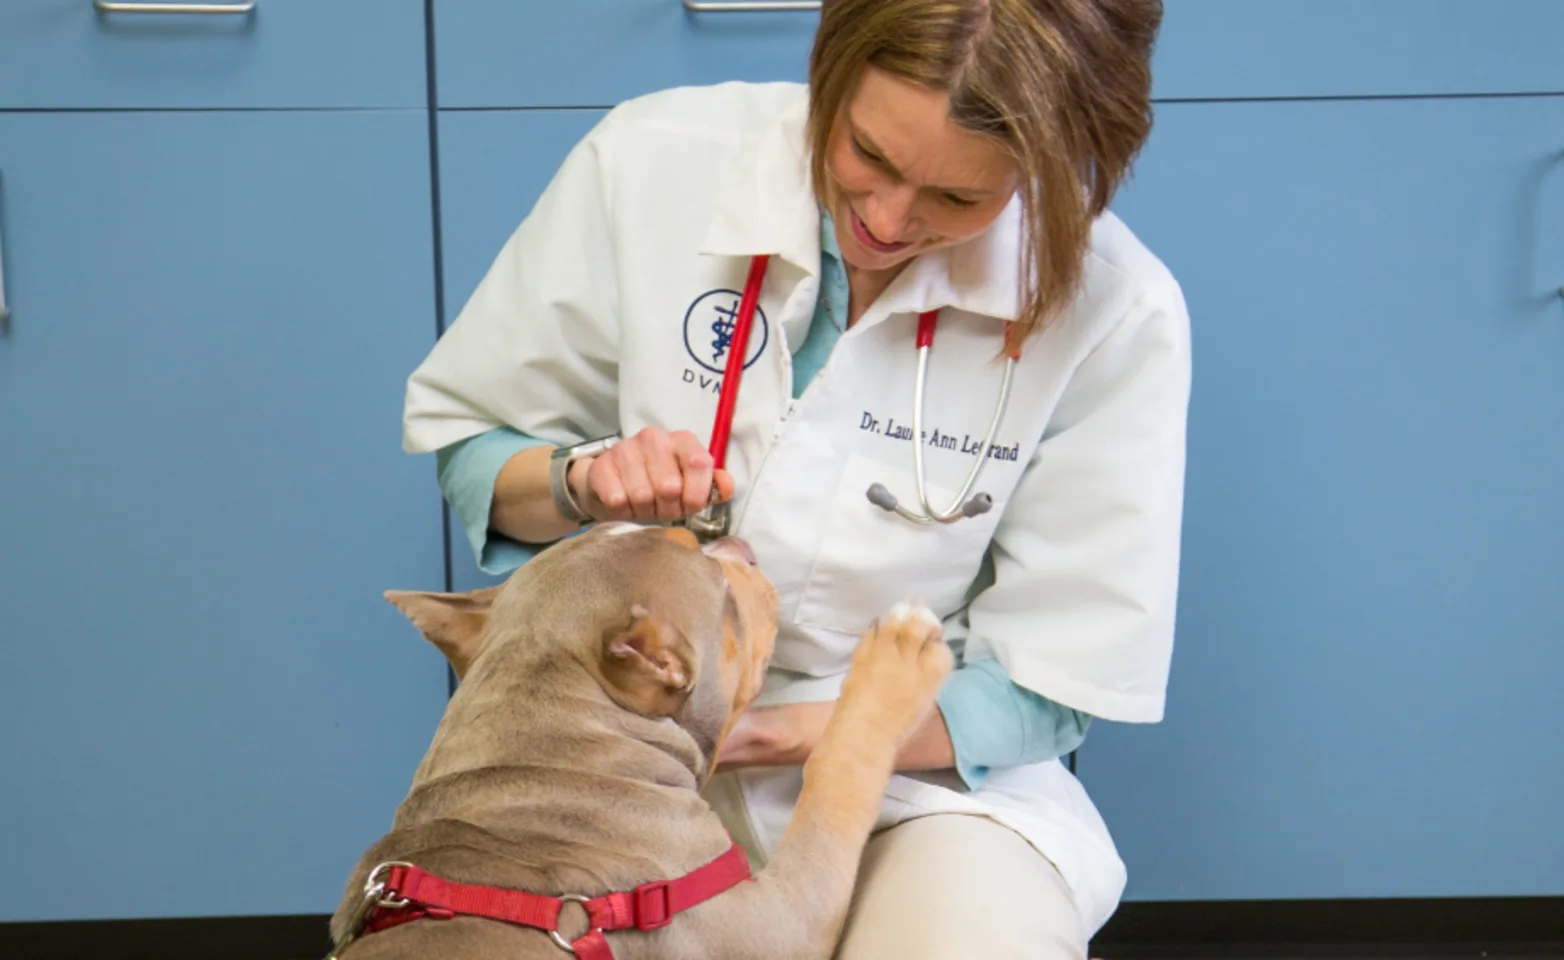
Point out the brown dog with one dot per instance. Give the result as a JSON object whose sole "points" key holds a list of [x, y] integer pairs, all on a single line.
{"points": [[597, 684]]}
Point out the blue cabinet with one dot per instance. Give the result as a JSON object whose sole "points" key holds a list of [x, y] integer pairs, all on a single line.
{"points": [[206, 706], [68, 54], [1365, 696], [498, 53]]}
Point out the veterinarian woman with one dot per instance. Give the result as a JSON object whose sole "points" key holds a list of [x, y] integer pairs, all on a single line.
{"points": [[950, 157]]}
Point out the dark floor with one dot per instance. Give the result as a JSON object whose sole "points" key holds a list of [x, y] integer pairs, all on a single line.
{"points": [[1494, 929]]}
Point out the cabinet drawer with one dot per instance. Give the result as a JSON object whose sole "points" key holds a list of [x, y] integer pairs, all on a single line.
{"points": [[498, 53], [68, 54], [1248, 49], [592, 53]]}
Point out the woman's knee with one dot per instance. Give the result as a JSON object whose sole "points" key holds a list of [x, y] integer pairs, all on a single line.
{"points": [[952, 886]]}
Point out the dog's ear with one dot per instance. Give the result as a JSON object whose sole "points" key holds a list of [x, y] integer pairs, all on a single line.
{"points": [[454, 622], [648, 666]]}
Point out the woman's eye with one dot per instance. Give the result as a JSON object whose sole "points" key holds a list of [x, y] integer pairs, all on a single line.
{"points": [[866, 153], [956, 201]]}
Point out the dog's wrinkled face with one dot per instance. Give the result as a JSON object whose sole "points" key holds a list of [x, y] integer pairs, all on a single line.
{"points": [[749, 627], [668, 627]]}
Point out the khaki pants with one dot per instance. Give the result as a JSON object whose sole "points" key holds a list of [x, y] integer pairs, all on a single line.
{"points": [[945, 887]]}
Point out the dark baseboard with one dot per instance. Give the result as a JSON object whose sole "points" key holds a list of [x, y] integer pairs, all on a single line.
{"points": [[1477, 927], [1361, 929], [209, 938]]}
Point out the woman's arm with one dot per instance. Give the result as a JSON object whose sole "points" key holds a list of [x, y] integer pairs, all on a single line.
{"points": [[784, 736], [523, 506], [498, 485], [468, 472], [653, 476], [983, 720], [994, 722]]}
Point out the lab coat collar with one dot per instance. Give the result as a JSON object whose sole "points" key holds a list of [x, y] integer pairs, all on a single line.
{"points": [[980, 276], [767, 206]]}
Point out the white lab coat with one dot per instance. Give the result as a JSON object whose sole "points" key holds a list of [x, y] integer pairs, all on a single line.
{"points": [[598, 316]]}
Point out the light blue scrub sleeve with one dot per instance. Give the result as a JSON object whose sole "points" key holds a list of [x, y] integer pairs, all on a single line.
{"points": [[992, 721], [467, 471]]}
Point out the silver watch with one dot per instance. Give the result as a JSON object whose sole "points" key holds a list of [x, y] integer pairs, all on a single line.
{"points": [[559, 463]]}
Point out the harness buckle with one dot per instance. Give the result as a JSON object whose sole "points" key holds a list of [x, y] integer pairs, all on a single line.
{"points": [[384, 884], [652, 909], [376, 887]]}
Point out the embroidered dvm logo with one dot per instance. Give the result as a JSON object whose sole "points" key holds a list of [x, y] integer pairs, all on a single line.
{"points": [[708, 330]]}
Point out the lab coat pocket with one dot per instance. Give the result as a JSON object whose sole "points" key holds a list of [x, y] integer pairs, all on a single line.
{"points": [[871, 559]]}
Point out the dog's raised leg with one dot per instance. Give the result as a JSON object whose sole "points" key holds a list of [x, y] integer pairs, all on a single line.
{"points": [[796, 907]]}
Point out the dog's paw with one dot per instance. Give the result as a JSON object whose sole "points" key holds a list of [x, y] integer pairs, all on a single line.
{"points": [[899, 665]]}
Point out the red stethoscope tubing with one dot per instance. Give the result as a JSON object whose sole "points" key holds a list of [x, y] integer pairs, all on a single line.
{"points": [[738, 350]]}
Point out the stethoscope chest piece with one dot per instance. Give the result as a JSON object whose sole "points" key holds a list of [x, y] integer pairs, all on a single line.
{"points": [[712, 523]]}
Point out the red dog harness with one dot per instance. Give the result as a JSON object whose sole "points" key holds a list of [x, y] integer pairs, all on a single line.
{"points": [[397, 893]]}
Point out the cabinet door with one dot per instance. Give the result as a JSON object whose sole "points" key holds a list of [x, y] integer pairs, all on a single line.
{"points": [[493, 167], [68, 54], [1365, 693], [206, 706]]}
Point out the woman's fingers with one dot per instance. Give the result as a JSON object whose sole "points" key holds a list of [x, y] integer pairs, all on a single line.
{"points": [[725, 486], [653, 476], [664, 473], [604, 493], [696, 468], [630, 462]]}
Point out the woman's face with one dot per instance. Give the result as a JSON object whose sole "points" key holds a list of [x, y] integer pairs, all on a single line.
{"points": [[904, 179]]}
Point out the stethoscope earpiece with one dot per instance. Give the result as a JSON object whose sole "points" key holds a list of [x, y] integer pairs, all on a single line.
{"points": [[978, 505], [881, 497]]}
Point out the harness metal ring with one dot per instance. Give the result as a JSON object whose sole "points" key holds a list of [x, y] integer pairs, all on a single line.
{"points": [[560, 941], [374, 886]]}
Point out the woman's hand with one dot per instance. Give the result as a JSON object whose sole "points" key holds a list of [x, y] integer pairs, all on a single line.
{"points": [[786, 735], [774, 736], [649, 477]]}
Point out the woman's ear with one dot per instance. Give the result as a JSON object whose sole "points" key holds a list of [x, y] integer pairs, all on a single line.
{"points": [[648, 666], [454, 622]]}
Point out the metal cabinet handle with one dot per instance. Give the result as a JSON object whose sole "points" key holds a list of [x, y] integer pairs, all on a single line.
{"points": [[748, 6], [5, 312], [113, 6]]}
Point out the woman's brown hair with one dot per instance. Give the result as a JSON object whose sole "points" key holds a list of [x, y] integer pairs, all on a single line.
{"points": [[1064, 86]]}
